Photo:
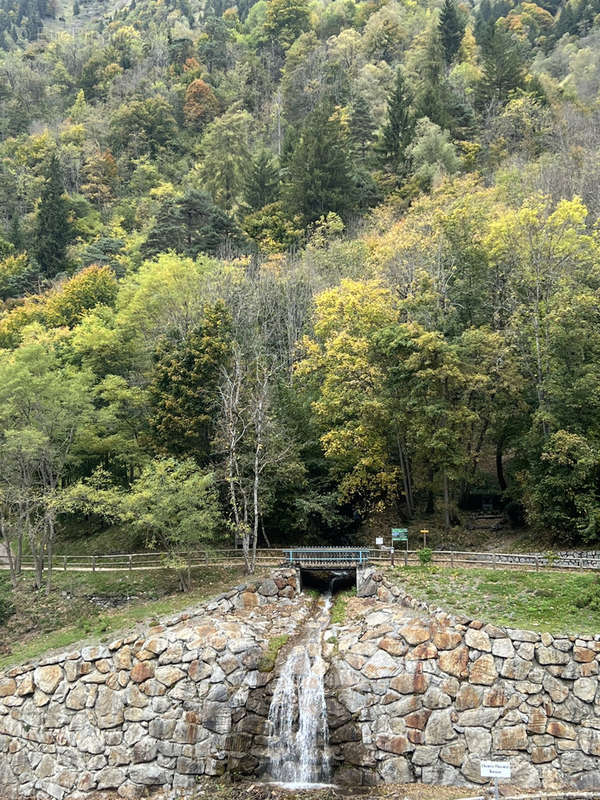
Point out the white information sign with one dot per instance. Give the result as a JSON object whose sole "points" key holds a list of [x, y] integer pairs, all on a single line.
{"points": [[379, 540], [495, 769]]}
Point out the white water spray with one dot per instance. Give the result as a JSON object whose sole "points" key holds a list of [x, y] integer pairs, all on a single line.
{"points": [[298, 714]]}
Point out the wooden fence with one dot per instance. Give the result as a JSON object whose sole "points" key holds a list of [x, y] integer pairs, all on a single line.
{"points": [[274, 557]]}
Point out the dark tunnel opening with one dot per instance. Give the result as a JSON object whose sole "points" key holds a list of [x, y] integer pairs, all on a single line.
{"points": [[328, 580]]}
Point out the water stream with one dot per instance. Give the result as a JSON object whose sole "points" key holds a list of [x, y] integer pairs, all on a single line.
{"points": [[298, 716]]}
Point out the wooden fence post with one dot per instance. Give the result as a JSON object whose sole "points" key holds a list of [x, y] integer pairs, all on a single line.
{"points": [[65, 563], [93, 563], [130, 564]]}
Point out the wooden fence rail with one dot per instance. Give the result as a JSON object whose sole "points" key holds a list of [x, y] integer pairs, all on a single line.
{"points": [[274, 557]]}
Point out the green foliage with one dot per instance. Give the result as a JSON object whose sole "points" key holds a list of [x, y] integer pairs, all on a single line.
{"points": [[183, 393], [53, 230], [269, 657], [318, 175], [451, 28], [398, 130], [425, 555]]}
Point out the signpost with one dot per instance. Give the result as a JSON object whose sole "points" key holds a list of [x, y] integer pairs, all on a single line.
{"points": [[495, 770], [400, 535], [379, 541], [424, 533]]}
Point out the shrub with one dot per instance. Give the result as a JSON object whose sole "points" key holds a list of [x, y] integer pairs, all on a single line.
{"points": [[425, 555]]}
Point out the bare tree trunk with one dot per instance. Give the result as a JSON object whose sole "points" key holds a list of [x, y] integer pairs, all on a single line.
{"points": [[9, 555], [49, 547]]}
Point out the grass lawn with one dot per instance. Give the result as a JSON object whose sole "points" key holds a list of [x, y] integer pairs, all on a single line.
{"points": [[558, 602], [85, 605]]}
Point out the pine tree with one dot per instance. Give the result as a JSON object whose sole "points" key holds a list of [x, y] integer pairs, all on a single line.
{"points": [[362, 126], [502, 67], [261, 182], [319, 174], [52, 231], [76, 9], [451, 29], [399, 128]]}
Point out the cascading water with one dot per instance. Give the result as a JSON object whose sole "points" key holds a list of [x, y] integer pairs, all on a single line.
{"points": [[298, 714]]}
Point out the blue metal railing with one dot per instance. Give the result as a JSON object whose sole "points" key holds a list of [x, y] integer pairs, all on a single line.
{"points": [[327, 556]]}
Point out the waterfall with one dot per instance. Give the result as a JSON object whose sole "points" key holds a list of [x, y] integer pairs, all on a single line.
{"points": [[298, 714]]}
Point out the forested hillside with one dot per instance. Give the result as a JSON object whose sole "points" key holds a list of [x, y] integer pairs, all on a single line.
{"points": [[268, 268]]}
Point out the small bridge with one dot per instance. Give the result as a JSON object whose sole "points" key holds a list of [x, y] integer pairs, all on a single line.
{"points": [[327, 557]]}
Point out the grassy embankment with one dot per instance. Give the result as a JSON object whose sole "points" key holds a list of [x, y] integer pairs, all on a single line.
{"points": [[94, 606], [557, 602]]}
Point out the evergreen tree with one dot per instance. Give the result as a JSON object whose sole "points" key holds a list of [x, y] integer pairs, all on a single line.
{"points": [[319, 174], [362, 126], [399, 128], [261, 182], [52, 231], [451, 29], [76, 9], [502, 67]]}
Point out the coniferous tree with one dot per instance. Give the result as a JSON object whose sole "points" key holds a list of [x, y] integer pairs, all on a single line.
{"points": [[451, 29], [362, 126], [502, 67], [262, 181], [399, 128], [319, 174], [53, 228]]}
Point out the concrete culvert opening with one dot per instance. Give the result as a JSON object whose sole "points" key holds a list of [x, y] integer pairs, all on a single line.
{"points": [[328, 580]]}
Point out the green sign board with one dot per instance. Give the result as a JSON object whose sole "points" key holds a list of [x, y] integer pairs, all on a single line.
{"points": [[399, 534]]}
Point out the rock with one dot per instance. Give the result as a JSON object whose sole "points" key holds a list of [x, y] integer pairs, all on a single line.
{"points": [[478, 640], [503, 648], [583, 654], [439, 728], [142, 672], [48, 678], [483, 670], [435, 698], [149, 775], [479, 717], [479, 741], [380, 665], [516, 668], [8, 686], [248, 600], [468, 697], [446, 639], [169, 675], [559, 729], [89, 741], [109, 708], [407, 683], [454, 662], [422, 652], [358, 754], [585, 689], [77, 697], [415, 633], [513, 737], [453, 753], [268, 588], [425, 754], [395, 770], [550, 655], [393, 744], [110, 778], [589, 741], [95, 653], [471, 769], [395, 647]]}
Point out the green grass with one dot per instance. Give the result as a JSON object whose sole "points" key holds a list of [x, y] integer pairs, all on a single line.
{"points": [[269, 658], [340, 602], [72, 612], [557, 602]]}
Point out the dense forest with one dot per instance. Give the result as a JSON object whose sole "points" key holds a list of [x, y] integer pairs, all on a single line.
{"points": [[269, 268]]}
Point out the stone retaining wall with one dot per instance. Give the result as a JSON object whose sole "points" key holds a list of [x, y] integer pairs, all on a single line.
{"points": [[146, 710], [412, 695], [418, 695]]}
